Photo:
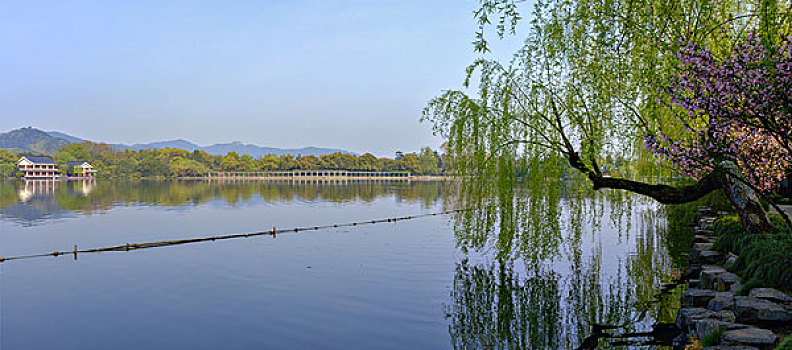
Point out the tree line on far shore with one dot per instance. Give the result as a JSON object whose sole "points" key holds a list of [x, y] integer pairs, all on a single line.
{"points": [[174, 162]]}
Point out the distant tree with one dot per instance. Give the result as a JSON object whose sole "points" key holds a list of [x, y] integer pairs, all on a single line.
{"points": [[387, 164], [205, 158], [187, 167], [127, 166], [72, 152], [308, 162], [331, 161], [230, 162], [348, 161], [368, 162], [7, 163], [287, 162], [150, 165], [247, 163], [170, 153], [410, 162], [428, 162], [269, 162], [7, 156]]}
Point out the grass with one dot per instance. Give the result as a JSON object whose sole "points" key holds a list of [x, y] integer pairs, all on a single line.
{"points": [[785, 344], [764, 260], [713, 338]]}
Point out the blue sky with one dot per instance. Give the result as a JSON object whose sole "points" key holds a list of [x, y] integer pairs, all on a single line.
{"points": [[346, 74]]}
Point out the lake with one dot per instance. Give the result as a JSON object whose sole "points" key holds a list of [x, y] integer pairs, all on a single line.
{"points": [[409, 284]]}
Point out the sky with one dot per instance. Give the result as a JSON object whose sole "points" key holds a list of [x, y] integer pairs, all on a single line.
{"points": [[350, 74]]}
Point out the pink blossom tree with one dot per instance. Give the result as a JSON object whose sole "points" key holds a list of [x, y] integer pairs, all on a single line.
{"points": [[738, 109]]}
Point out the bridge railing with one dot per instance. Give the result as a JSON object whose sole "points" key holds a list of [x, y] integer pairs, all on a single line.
{"points": [[308, 174]]}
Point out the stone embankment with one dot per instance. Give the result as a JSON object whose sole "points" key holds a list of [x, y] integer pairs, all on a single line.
{"points": [[714, 314]]}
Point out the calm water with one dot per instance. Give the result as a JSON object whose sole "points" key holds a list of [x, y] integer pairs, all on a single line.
{"points": [[403, 285]]}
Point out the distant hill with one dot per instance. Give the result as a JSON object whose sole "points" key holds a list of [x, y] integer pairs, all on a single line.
{"points": [[41, 142], [224, 148], [183, 144], [31, 140], [66, 137], [257, 151]]}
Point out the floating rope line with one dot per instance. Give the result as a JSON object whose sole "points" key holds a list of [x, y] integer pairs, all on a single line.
{"points": [[273, 232]]}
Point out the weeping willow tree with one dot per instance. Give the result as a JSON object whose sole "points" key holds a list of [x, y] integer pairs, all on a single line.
{"points": [[578, 98]]}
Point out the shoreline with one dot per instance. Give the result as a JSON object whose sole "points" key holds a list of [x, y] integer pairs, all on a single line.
{"points": [[715, 313]]}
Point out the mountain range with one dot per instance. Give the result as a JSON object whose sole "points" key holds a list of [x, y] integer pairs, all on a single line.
{"points": [[47, 143]]}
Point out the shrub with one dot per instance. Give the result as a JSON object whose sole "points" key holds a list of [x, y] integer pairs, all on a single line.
{"points": [[785, 344], [713, 338], [764, 259]]}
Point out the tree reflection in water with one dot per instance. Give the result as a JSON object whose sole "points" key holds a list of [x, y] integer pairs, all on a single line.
{"points": [[584, 282], [30, 205], [493, 308]]}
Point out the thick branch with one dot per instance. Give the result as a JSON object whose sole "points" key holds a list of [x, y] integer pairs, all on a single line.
{"points": [[665, 194]]}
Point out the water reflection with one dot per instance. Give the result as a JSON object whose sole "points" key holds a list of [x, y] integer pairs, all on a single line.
{"points": [[586, 263], [580, 277], [34, 202], [494, 308], [37, 188]]}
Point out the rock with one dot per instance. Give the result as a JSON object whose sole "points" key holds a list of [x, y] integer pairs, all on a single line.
{"points": [[706, 223], [703, 239], [693, 283], [726, 315], [691, 272], [771, 294], [710, 278], [735, 288], [753, 310], [709, 233], [705, 211], [680, 342], [712, 269], [710, 256], [731, 259], [758, 337], [688, 316], [723, 281], [697, 297], [703, 246], [721, 301], [707, 326]]}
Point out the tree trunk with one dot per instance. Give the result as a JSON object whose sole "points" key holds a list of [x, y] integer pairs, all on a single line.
{"points": [[726, 177], [752, 215]]}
